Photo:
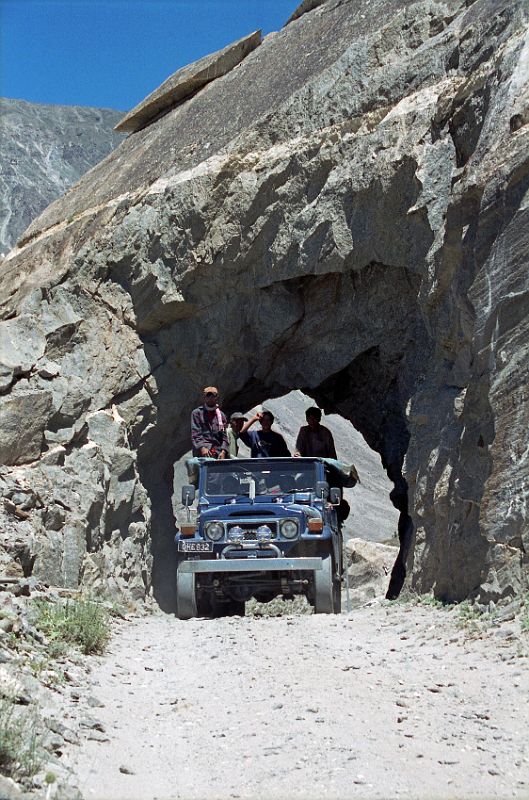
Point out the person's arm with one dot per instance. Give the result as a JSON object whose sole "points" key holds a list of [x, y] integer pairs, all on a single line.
{"points": [[249, 423], [232, 443]]}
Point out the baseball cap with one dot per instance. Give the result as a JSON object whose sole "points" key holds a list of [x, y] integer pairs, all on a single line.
{"points": [[238, 415]]}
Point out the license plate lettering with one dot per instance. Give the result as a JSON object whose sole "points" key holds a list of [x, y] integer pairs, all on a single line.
{"points": [[195, 547]]}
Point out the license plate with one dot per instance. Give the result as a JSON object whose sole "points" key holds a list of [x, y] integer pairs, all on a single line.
{"points": [[195, 547]]}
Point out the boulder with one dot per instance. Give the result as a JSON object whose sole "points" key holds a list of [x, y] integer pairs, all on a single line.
{"points": [[24, 415], [22, 343], [368, 566]]}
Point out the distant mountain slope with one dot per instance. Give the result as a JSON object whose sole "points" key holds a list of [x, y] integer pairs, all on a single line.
{"points": [[44, 149]]}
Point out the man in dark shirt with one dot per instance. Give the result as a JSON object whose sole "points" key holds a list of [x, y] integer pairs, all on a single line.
{"points": [[208, 427], [314, 439], [265, 443]]}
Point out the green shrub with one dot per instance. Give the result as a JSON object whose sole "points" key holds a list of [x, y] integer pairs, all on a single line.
{"points": [[82, 623], [410, 597], [19, 753], [433, 602]]}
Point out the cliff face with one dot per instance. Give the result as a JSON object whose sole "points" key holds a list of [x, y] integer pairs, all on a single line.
{"points": [[44, 149], [345, 212]]}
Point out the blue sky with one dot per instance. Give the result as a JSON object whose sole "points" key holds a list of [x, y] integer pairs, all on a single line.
{"points": [[112, 53]]}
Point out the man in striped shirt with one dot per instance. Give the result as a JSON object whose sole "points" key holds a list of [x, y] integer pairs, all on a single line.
{"points": [[208, 427]]}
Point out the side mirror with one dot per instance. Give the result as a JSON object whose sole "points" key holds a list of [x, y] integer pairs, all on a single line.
{"points": [[322, 490], [335, 496], [188, 494]]}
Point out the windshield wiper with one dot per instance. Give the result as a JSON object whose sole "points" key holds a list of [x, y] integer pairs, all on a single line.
{"points": [[295, 490]]}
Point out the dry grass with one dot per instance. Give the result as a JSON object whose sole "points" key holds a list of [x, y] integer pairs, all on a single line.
{"points": [[19, 740], [81, 623]]}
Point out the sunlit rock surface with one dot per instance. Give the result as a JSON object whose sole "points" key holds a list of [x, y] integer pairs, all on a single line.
{"points": [[368, 566], [344, 213]]}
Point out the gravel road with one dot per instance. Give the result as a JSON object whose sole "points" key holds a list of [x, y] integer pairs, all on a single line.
{"points": [[391, 700]]}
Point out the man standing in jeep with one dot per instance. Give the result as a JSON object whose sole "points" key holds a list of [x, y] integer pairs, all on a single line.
{"points": [[237, 420], [314, 439], [208, 427], [265, 443]]}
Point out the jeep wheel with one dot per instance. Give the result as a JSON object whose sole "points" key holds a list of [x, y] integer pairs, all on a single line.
{"points": [[324, 587], [186, 601]]}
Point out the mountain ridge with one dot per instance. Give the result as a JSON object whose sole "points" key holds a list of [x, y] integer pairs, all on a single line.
{"points": [[44, 150]]}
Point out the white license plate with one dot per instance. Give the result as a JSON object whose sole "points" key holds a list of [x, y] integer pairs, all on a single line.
{"points": [[195, 547]]}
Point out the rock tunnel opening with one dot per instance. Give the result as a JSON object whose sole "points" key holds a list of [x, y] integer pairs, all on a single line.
{"points": [[274, 303], [366, 395], [354, 341]]}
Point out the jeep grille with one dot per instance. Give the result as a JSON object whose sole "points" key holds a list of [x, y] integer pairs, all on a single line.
{"points": [[250, 528]]}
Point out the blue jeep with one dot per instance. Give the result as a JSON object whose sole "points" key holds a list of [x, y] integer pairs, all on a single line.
{"points": [[263, 528]]}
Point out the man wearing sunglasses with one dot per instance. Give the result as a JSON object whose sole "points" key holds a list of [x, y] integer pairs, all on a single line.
{"points": [[208, 427]]}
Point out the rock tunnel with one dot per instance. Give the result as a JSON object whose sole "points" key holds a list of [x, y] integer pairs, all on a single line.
{"points": [[330, 214], [362, 362]]}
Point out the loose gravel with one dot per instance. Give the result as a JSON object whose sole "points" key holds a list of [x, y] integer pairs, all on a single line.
{"points": [[388, 701]]}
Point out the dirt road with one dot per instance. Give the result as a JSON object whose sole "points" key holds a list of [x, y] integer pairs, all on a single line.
{"points": [[387, 701]]}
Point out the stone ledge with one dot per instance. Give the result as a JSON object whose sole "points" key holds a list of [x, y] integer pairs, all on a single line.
{"points": [[186, 81], [304, 7]]}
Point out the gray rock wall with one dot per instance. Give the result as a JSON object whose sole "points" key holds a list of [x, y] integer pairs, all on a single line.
{"points": [[343, 213]]}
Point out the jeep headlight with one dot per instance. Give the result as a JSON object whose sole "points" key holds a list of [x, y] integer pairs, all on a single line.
{"points": [[214, 531], [289, 528]]}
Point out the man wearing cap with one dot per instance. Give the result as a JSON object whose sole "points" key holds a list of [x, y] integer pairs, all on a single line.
{"points": [[208, 427], [237, 420]]}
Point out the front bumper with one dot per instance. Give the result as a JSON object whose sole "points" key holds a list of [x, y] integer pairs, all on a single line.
{"points": [[251, 565]]}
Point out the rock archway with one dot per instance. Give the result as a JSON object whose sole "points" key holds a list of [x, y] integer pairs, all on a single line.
{"points": [[343, 212], [363, 362]]}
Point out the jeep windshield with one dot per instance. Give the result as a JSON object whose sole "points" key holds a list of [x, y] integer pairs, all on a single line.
{"points": [[269, 476]]}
